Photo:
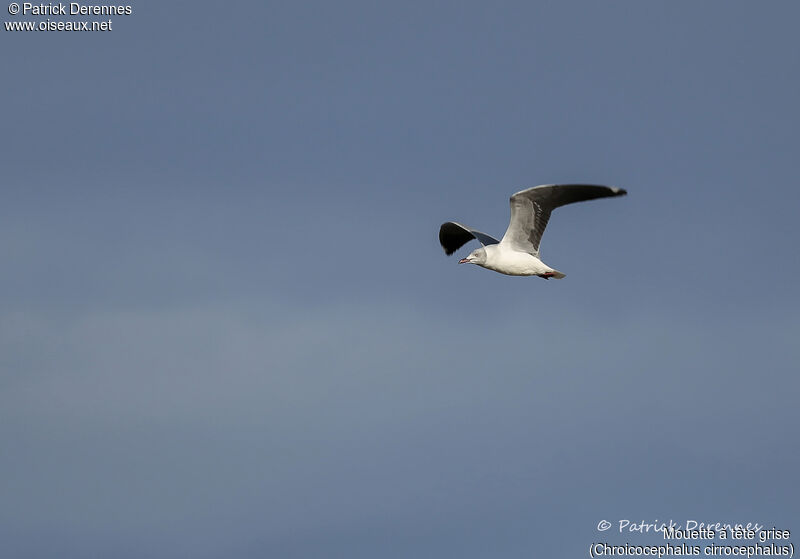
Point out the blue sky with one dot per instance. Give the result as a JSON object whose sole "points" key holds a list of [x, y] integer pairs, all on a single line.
{"points": [[227, 328]]}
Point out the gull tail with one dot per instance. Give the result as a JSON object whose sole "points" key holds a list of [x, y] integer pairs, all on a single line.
{"points": [[553, 274]]}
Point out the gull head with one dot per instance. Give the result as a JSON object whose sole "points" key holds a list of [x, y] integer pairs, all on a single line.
{"points": [[477, 256]]}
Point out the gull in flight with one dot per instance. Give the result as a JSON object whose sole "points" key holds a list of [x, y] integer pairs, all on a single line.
{"points": [[517, 253]]}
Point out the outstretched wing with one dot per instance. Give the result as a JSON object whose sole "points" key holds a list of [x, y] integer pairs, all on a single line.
{"points": [[530, 210], [453, 236]]}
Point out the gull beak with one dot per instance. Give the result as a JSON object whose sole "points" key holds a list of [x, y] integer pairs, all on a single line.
{"points": [[464, 261]]}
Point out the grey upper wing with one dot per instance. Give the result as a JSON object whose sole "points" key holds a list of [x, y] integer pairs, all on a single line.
{"points": [[530, 210], [453, 236]]}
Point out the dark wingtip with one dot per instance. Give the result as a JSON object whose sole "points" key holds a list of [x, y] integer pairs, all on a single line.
{"points": [[620, 192], [452, 236], [448, 250]]}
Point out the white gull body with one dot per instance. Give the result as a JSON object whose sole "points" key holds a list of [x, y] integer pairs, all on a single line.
{"points": [[517, 253]]}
